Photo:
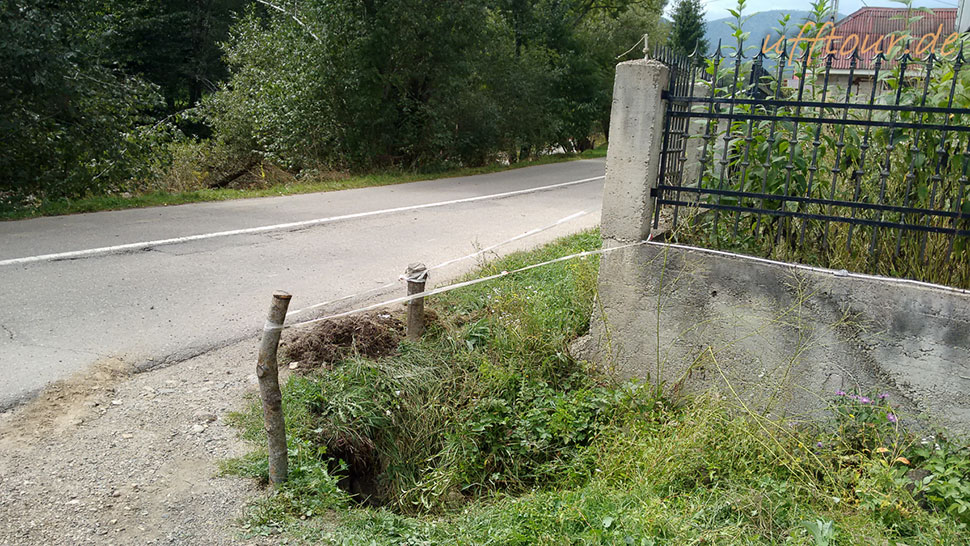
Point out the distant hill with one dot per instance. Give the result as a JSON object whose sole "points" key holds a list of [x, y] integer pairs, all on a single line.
{"points": [[759, 25]]}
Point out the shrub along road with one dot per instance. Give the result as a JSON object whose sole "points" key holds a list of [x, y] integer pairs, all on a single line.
{"points": [[150, 304]]}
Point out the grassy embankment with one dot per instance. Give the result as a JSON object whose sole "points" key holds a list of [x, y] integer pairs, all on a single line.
{"points": [[487, 432], [298, 186]]}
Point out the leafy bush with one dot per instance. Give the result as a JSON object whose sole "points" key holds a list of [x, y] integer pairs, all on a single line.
{"points": [[947, 486], [70, 124], [421, 84], [865, 423]]}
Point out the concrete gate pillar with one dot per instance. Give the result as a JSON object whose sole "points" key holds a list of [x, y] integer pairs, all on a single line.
{"points": [[633, 159]]}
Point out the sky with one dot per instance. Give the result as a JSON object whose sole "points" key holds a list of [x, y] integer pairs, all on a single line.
{"points": [[716, 9]]}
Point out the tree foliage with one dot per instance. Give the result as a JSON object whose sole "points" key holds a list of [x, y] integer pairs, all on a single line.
{"points": [[689, 28], [68, 121], [174, 44], [97, 95], [420, 83]]}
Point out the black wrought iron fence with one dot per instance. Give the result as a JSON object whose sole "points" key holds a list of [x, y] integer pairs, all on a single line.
{"points": [[864, 168]]}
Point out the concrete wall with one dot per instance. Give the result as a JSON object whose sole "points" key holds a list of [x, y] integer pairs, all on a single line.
{"points": [[777, 337]]}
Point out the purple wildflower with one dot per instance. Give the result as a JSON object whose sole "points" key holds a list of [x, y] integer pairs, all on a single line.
{"points": [[884, 396], [865, 400], [818, 444], [840, 393], [891, 417]]}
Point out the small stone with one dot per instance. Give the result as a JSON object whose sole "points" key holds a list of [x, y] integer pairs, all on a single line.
{"points": [[127, 436], [116, 493], [198, 429], [204, 417], [166, 391], [294, 365], [116, 402]]}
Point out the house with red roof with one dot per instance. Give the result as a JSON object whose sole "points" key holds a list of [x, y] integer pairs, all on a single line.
{"points": [[889, 31]]}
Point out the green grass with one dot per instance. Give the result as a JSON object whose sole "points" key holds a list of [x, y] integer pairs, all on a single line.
{"points": [[157, 199], [488, 432]]}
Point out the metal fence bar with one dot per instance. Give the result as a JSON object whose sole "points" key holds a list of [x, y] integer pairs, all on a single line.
{"points": [[840, 145], [864, 149], [914, 145], [861, 205], [748, 138], [809, 104], [827, 121], [941, 147], [816, 143], [822, 217], [770, 141], [887, 164], [723, 162], [767, 141]]}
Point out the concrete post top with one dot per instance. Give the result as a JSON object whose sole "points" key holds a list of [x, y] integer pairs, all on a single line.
{"points": [[643, 62]]}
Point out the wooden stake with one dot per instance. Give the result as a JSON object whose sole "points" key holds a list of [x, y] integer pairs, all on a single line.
{"points": [[417, 276], [267, 370]]}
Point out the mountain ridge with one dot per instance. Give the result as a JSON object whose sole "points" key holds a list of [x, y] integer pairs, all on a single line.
{"points": [[758, 25]]}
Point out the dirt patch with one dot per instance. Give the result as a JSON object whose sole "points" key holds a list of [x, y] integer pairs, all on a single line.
{"points": [[372, 335], [110, 457], [67, 402]]}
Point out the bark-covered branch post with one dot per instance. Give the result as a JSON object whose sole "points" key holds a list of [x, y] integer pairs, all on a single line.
{"points": [[267, 372], [417, 276]]}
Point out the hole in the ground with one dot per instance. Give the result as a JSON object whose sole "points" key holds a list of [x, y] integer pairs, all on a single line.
{"points": [[359, 472]]}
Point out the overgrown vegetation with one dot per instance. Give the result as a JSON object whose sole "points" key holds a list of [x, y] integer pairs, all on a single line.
{"points": [[489, 432], [107, 98]]}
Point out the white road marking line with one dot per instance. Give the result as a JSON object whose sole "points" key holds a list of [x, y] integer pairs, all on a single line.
{"points": [[75, 254]]}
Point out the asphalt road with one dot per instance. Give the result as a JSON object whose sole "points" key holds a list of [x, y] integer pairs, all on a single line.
{"points": [[159, 285]]}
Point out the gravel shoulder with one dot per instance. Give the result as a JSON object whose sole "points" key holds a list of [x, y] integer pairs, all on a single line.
{"points": [[112, 457]]}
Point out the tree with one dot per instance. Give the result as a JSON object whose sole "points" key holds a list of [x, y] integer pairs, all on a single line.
{"points": [[173, 44], [611, 39], [689, 28], [69, 121], [422, 83]]}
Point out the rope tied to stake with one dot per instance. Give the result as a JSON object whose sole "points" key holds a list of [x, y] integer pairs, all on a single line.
{"points": [[416, 272]]}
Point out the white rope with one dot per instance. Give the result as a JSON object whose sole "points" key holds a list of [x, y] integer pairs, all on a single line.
{"points": [[803, 267], [646, 45], [452, 261], [456, 286], [271, 326], [588, 253], [529, 233]]}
